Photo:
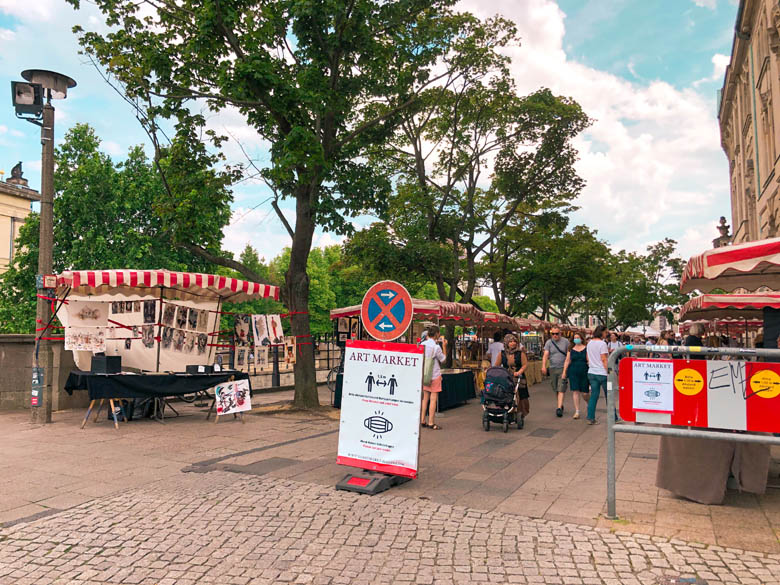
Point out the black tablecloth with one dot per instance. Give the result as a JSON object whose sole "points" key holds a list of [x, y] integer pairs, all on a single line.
{"points": [[456, 389], [145, 385]]}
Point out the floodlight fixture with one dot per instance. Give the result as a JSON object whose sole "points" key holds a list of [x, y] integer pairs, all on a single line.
{"points": [[27, 99]]}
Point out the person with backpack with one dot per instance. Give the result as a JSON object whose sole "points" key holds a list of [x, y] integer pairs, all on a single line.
{"points": [[555, 351], [515, 359], [434, 356]]}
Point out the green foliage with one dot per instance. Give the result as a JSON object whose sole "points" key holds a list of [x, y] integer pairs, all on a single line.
{"points": [[250, 258], [104, 218], [322, 81], [486, 303], [17, 284]]}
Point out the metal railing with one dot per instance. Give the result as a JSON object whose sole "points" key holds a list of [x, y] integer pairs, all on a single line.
{"points": [[670, 431]]}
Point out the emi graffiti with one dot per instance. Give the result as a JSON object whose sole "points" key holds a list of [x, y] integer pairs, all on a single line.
{"points": [[391, 360]]}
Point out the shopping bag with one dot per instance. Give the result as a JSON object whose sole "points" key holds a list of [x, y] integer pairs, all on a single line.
{"points": [[428, 370]]}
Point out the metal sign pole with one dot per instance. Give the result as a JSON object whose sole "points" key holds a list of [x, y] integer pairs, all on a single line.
{"points": [[613, 427]]}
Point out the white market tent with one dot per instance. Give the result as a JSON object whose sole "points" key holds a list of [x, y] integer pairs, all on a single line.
{"points": [[647, 331], [156, 320]]}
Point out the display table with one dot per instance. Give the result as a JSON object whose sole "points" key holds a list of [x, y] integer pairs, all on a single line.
{"points": [[126, 385], [156, 386], [457, 387], [533, 373]]}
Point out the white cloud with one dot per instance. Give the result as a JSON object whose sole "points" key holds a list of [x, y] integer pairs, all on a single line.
{"points": [[711, 4], [652, 157], [24, 10], [112, 148], [719, 64]]}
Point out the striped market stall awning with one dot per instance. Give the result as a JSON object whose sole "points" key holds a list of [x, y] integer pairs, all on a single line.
{"points": [[748, 266], [180, 284], [747, 306]]}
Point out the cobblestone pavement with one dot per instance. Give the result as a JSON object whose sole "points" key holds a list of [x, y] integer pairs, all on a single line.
{"points": [[552, 470], [225, 528]]}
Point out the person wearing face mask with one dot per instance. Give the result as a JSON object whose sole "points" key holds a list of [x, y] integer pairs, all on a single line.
{"points": [[575, 369]]}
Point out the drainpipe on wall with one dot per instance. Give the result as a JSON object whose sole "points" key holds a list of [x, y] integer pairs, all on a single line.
{"points": [[755, 125]]}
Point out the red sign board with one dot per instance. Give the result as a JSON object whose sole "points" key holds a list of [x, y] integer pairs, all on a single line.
{"points": [[386, 310], [717, 394]]}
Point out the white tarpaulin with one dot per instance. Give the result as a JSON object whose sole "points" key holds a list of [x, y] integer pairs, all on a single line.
{"points": [[156, 320], [136, 327], [380, 407], [647, 331]]}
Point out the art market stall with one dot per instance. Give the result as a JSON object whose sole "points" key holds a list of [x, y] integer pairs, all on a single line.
{"points": [[160, 327], [706, 392]]}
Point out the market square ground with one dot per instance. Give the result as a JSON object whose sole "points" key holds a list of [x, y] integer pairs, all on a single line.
{"points": [[191, 501]]}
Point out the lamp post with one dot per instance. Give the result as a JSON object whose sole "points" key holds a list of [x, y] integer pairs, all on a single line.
{"points": [[32, 102]]}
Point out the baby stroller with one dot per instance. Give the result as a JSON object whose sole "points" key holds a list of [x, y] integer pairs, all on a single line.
{"points": [[498, 399]]}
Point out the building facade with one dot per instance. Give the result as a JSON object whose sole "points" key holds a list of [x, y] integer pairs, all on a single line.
{"points": [[16, 200], [749, 112]]}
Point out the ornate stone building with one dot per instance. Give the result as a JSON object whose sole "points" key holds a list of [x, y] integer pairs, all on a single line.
{"points": [[15, 201], [748, 115]]}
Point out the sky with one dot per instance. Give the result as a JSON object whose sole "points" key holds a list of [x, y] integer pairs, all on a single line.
{"points": [[646, 72]]}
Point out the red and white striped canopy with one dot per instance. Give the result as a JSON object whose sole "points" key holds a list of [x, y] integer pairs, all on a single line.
{"points": [[748, 306], [750, 266], [183, 284], [457, 314]]}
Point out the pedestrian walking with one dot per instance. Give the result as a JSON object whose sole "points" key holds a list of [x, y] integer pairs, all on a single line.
{"points": [[555, 351], [614, 342], [494, 349], [597, 353], [575, 370], [515, 359], [430, 397], [665, 340], [694, 339]]}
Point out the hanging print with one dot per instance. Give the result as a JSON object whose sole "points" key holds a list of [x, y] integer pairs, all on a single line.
{"points": [[275, 331]]}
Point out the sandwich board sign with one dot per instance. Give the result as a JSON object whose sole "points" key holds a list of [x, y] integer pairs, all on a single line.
{"points": [[380, 413]]}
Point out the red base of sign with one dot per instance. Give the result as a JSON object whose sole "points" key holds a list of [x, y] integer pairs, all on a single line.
{"points": [[381, 467]]}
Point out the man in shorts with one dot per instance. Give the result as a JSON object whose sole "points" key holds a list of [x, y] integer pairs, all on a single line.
{"points": [[555, 351]]}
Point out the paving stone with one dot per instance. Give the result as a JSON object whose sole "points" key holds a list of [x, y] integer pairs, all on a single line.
{"points": [[234, 529]]}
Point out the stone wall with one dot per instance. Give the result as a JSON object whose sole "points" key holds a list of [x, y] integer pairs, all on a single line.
{"points": [[16, 358]]}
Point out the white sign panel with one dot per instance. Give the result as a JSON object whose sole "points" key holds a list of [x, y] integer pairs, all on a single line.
{"points": [[653, 385], [380, 407], [726, 391]]}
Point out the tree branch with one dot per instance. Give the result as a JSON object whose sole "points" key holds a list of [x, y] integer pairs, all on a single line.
{"points": [[222, 261]]}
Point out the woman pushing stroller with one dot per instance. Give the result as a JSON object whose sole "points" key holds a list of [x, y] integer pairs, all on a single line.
{"points": [[515, 359]]}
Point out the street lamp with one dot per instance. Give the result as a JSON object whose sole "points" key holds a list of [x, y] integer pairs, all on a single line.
{"points": [[32, 102]]}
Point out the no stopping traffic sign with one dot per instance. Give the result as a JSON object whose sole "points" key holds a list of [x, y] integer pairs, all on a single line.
{"points": [[386, 310]]}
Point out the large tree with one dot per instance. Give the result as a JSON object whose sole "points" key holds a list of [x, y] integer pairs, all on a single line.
{"points": [[322, 81], [539, 268]]}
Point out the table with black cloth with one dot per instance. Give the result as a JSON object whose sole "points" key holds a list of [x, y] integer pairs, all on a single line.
{"points": [[157, 386], [457, 387]]}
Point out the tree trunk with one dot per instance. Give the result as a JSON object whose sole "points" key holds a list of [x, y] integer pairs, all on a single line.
{"points": [[297, 293], [449, 333]]}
